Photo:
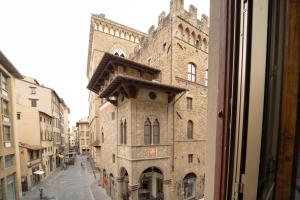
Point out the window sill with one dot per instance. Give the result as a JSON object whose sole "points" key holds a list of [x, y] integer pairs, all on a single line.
{"points": [[190, 82]]}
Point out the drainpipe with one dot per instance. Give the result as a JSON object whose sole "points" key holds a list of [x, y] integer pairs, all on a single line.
{"points": [[173, 160]]}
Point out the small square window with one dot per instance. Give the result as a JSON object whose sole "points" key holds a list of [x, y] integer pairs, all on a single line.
{"points": [[190, 158], [33, 90], [18, 115], [33, 102]]}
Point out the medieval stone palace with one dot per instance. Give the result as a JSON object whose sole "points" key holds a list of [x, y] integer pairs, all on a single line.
{"points": [[148, 105]]}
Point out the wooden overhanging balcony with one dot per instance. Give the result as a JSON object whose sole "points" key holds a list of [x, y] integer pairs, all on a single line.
{"points": [[116, 75]]}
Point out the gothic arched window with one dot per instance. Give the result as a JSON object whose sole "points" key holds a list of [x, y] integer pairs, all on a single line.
{"points": [[147, 132], [190, 127], [156, 132]]}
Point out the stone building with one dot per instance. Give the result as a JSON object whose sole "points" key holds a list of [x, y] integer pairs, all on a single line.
{"points": [[10, 187], [83, 135], [174, 56]]}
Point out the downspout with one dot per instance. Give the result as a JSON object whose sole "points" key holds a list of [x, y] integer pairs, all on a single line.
{"points": [[171, 66], [173, 160]]}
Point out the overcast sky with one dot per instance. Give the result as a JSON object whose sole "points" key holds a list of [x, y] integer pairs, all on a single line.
{"points": [[48, 39]]}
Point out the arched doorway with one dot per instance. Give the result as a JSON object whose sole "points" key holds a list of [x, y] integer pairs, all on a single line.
{"points": [[124, 184], [189, 186], [111, 186], [151, 184]]}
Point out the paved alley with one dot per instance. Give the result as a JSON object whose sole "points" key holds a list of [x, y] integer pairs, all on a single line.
{"points": [[73, 183]]}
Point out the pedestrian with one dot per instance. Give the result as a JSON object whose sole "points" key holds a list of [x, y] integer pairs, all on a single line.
{"points": [[41, 189]]}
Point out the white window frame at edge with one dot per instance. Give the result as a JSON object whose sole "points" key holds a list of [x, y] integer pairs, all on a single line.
{"points": [[191, 75]]}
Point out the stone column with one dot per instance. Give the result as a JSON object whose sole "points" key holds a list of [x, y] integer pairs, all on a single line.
{"points": [[168, 193], [134, 192], [119, 181]]}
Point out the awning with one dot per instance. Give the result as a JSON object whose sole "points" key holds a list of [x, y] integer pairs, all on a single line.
{"points": [[96, 144], [39, 172], [31, 146]]}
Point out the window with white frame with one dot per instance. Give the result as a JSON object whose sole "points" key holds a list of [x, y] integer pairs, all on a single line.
{"points": [[206, 77], [33, 90], [4, 82], [192, 72], [6, 136], [9, 161]]}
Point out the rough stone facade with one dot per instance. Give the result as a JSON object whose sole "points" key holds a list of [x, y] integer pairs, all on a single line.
{"points": [[180, 39]]}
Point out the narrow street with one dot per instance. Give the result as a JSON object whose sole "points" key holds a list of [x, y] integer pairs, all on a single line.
{"points": [[74, 183]]}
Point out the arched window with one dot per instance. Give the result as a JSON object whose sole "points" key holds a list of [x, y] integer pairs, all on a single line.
{"points": [[121, 135], [193, 38], [119, 52], [205, 43], [180, 31], [125, 132], [187, 35], [189, 186], [156, 132], [192, 72], [147, 130], [200, 41], [190, 127]]}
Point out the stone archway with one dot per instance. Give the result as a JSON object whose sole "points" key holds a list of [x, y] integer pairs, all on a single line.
{"points": [[124, 181], [151, 184], [111, 186], [189, 186]]}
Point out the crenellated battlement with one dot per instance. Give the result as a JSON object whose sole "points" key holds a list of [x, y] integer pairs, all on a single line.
{"points": [[100, 23], [187, 27]]}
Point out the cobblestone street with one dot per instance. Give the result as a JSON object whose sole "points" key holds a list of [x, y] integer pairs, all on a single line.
{"points": [[74, 183]]}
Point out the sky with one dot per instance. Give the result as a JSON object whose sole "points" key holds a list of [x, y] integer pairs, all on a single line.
{"points": [[48, 39]]}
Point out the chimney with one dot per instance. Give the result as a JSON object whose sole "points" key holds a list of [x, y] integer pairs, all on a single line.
{"points": [[193, 12], [204, 19], [151, 30], [101, 15], [176, 7], [161, 18]]}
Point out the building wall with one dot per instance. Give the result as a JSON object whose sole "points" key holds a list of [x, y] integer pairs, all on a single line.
{"points": [[212, 97], [27, 167], [83, 135], [46, 130], [5, 172], [43, 96], [171, 50]]}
